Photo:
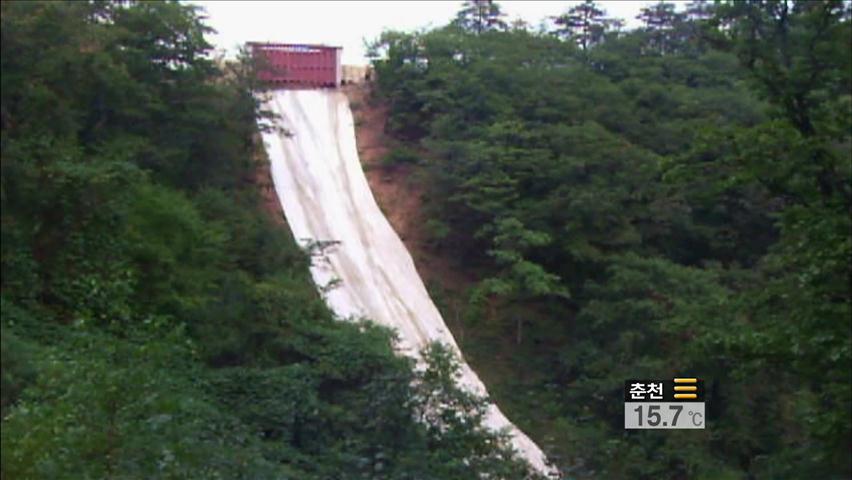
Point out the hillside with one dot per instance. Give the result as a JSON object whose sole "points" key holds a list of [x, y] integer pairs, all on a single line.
{"points": [[585, 203], [670, 201], [158, 320]]}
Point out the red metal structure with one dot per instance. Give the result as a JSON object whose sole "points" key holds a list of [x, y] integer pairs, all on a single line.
{"points": [[295, 65]]}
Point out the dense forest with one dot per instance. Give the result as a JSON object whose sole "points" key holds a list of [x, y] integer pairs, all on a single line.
{"points": [[669, 200], [156, 321]]}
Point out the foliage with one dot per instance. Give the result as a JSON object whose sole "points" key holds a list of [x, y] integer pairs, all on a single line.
{"points": [[586, 24], [105, 407], [689, 183], [400, 156], [480, 16], [156, 323]]}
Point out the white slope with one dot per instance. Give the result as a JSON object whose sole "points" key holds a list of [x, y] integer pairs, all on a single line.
{"points": [[325, 196]]}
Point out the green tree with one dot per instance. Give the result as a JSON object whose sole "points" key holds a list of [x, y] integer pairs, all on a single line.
{"points": [[480, 16], [689, 184], [518, 279], [156, 323], [585, 23], [661, 20]]}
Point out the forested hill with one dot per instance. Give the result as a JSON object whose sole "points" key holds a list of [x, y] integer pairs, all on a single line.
{"points": [[156, 323], [643, 204], [670, 200]]}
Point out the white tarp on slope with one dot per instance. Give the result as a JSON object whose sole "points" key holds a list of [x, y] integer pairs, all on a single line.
{"points": [[325, 196]]}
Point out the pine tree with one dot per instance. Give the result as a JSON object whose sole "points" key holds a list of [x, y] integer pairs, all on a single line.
{"points": [[661, 20], [480, 16], [585, 23]]}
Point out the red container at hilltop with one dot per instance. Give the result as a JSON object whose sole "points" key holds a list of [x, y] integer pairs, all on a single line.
{"points": [[298, 65]]}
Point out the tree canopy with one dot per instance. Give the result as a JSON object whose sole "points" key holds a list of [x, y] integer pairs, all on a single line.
{"points": [[156, 322], [688, 183]]}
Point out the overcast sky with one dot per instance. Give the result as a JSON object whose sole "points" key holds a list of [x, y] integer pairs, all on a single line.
{"points": [[349, 23]]}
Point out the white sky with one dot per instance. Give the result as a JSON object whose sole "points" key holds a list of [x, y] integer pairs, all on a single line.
{"points": [[350, 23]]}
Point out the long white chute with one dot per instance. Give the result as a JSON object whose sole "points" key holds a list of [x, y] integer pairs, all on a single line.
{"points": [[325, 196]]}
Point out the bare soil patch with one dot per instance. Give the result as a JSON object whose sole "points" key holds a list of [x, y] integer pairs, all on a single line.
{"points": [[397, 191]]}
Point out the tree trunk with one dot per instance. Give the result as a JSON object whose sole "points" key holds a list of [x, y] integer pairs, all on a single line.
{"points": [[520, 321]]}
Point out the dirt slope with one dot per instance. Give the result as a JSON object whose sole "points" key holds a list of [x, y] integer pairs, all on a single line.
{"points": [[397, 191]]}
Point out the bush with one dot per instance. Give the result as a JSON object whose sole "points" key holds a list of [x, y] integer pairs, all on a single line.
{"points": [[400, 156]]}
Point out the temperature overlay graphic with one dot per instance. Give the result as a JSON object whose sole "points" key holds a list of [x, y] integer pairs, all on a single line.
{"points": [[667, 404]]}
